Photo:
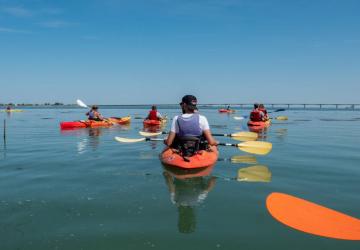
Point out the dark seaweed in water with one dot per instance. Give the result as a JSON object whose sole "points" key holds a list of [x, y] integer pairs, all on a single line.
{"points": [[339, 120], [219, 126]]}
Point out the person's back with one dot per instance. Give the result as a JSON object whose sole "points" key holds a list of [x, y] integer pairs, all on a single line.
{"points": [[256, 115], [190, 128], [94, 114], [154, 114], [264, 111]]}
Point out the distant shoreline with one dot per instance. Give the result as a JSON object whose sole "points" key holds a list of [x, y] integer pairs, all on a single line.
{"points": [[351, 107]]}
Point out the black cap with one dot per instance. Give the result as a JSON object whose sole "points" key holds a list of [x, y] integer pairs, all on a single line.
{"points": [[189, 100]]}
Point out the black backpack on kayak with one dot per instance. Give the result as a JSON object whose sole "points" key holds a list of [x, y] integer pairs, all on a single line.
{"points": [[189, 145]]}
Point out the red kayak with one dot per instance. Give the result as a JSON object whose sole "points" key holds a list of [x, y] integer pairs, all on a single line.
{"points": [[148, 122], [93, 124], [202, 159], [259, 125], [226, 110]]}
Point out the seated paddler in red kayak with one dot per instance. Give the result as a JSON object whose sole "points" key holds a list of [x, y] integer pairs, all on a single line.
{"points": [[190, 132], [257, 115], [94, 114], [263, 109], [154, 114]]}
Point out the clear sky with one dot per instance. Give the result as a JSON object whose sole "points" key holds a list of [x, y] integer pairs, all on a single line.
{"points": [[155, 51]]}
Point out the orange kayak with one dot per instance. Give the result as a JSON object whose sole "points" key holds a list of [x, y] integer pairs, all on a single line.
{"points": [[120, 120], [148, 122], [259, 125], [201, 159], [94, 124]]}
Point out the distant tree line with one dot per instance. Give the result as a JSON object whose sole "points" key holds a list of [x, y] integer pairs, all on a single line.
{"points": [[34, 104]]}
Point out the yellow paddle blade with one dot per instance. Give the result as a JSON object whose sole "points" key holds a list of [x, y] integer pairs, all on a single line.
{"points": [[254, 174], [255, 147], [281, 118], [148, 134], [247, 159], [128, 140], [245, 136]]}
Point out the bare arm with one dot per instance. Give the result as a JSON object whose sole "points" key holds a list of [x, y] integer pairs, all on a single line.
{"points": [[170, 139], [210, 138]]}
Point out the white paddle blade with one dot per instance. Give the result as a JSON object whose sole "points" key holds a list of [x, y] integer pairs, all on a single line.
{"points": [[238, 118], [147, 134], [81, 103], [128, 140]]}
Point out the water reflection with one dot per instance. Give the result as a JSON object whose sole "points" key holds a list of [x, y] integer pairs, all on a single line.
{"points": [[258, 173], [92, 141], [188, 189], [281, 133], [91, 136]]}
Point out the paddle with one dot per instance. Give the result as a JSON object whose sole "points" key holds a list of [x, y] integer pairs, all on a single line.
{"points": [[254, 174], [280, 118], [241, 136], [129, 140], [312, 218], [253, 147], [247, 116], [83, 105]]}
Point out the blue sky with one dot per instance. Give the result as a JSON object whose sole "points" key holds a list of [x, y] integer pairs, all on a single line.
{"points": [[155, 51]]}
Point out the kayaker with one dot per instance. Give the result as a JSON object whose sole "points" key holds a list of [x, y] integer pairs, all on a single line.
{"points": [[154, 114], [190, 132], [228, 108], [8, 108], [94, 114], [256, 114], [263, 109]]}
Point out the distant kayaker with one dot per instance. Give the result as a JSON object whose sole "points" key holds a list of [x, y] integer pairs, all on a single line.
{"points": [[154, 114], [94, 114], [8, 108], [190, 132], [228, 108], [263, 109], [256, 114]]}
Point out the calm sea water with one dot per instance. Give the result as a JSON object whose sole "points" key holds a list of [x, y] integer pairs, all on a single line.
{"points": [[81, 189]]}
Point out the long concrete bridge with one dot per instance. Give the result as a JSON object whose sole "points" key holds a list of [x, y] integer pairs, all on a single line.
{"points": [[340, 106]]}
